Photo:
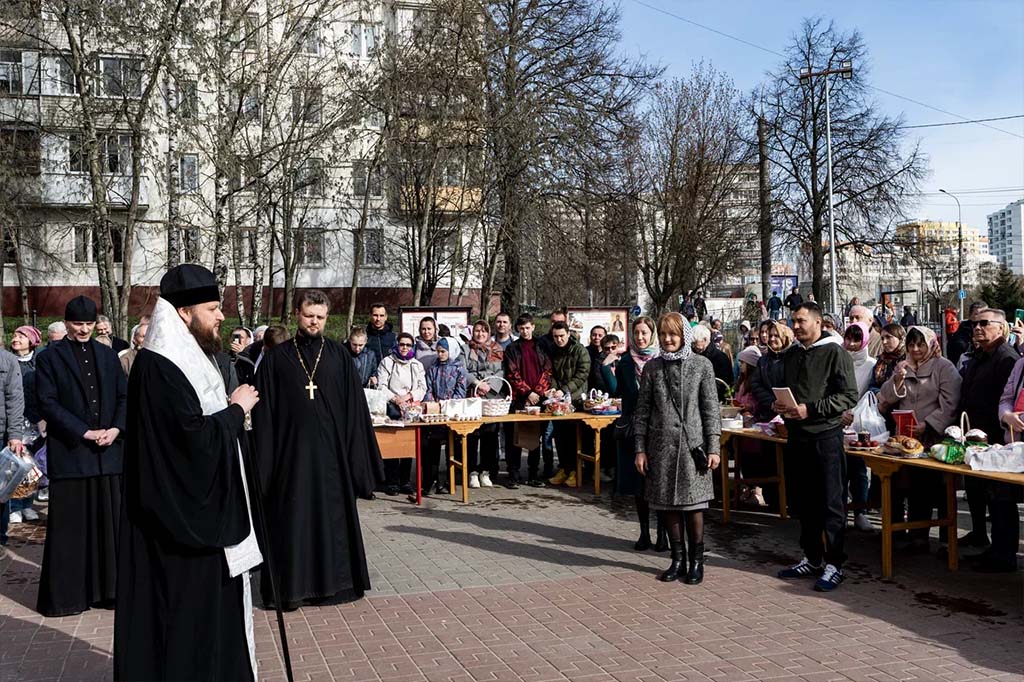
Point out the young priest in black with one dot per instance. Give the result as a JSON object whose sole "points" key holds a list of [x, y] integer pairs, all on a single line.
{"points": [[184, 605]]}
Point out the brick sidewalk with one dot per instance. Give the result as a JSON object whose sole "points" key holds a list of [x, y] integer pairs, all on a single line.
{"points": [[543, 585]]}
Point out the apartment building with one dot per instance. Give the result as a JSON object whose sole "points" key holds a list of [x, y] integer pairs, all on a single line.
{"points": [[1006, 236], [236, 171]]}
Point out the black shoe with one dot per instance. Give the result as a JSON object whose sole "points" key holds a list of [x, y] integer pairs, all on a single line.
{"points": [[695, 576], [391, 490], [974, 539], [535, 483], [993, 565], [442, 489], [675, 569], [512, 483], [918, 546], [644, 543], [548, 473], [662, 543]]}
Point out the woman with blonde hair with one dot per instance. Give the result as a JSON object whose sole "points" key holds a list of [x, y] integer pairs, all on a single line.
{"points": [[678, 424]]}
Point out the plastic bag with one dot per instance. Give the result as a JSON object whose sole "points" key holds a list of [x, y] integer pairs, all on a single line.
{"points": [[14, 470], [866, 417], [376, 400], [949, 451]]}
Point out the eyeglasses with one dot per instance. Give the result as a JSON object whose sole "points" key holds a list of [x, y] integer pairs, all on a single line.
{"points": [[405, 345], [985, 323]]}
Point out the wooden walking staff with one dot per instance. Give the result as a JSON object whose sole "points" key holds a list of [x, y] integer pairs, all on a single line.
{"points": [[252, 466]]}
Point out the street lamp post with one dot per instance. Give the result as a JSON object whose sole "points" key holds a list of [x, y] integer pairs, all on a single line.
{"points": [[959, 251], [845, 70]]}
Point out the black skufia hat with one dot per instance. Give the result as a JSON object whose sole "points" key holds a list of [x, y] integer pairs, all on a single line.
{"points": [[80, 309], [189, 284]]}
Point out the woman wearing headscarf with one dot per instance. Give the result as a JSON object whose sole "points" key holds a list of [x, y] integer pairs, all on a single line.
{"points": [[894, 351], [624, 383], [24, 342], [446, 380], [929, 385], [678, 423], [855, 341]]}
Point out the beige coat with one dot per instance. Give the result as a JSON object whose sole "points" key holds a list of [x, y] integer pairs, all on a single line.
{"points": [[932, 392]]}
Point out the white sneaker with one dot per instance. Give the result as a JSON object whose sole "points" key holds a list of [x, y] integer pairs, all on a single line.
{"points": [[43, 495], [15, 517], [606, 477], [485, 480], [861, 523], [474, 480], [29, 514]]}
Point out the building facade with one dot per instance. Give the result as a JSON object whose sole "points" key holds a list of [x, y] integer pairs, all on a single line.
{"points": [[1006, 236]]}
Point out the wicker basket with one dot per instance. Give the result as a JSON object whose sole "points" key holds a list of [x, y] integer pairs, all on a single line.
{"points": [[497, 407]]}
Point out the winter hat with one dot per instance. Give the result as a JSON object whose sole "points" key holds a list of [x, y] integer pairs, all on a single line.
{"points": [[750, 355], [31, 333], [443, 343]]}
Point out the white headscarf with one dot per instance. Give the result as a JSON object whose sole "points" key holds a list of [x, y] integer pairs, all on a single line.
{"points": [[169, 337]]}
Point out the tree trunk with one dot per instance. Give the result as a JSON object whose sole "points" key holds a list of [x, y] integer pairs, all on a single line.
{"points": [[765, 221]]}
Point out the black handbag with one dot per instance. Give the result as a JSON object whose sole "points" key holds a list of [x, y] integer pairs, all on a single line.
{"points": [[700, 459], [623, 429]]}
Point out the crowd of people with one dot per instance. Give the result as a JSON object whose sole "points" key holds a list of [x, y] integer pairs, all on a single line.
{"points": [[116, 424]]}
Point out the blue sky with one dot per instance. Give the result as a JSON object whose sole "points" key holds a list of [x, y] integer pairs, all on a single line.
{"points": [[966, 57]]}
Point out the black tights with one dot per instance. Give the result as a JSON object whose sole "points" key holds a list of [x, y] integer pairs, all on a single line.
{"points": [[672, 521]]}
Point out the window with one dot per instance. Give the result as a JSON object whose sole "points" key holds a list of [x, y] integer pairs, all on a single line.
{"points": [[188, 173], [247, 245], [67, 81], [21, 148], [188, 100], [10, 73], [245, 103], [120, 77], [309, 180], [10, 248], [250, 32], [115, 154], [362, 180], [188, 242], [245, 174], [306, 105], [309, 246], [363, 40], [307, 34], [373, 247], [451, 175], [87, 245]]}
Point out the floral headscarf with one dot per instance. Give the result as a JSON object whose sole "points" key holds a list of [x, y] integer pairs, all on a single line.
{"points": [[934, 349], [641, 356], [685, 350]]}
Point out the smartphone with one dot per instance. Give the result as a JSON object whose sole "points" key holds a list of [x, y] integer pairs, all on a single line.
{"points": [[1019, 314], [236, 338]]}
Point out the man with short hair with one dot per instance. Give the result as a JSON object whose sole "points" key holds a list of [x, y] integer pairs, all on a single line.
{"points": [[909, 319], [187, 540], [245, 367], [127, 357], [985, 379], [570, 370], [503, 335], [317, 454], [700, 306], [774, 306], [380, 336], [963, 339], [527, 369], [547, 342], [104, 330], [819, 372], [82, 394], [793, 300], [363, 359], [859, 313], [56, 332]]}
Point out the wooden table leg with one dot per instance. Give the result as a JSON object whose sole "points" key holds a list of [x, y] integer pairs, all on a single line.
{"points": [[951, 512], [780, 468], [419, 469], [887, 567], [726, 493], [579, 453], [449, 455], [465, 469], [597, 462]]}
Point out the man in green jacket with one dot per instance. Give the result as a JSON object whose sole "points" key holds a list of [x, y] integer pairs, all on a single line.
{"points": [[820, 374], [570, 369]]}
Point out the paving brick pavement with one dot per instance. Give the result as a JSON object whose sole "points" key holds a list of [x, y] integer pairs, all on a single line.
{"points": [[543, 585]]}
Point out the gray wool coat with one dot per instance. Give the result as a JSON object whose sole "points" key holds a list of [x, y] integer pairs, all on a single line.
{"points": [[677, 411]]}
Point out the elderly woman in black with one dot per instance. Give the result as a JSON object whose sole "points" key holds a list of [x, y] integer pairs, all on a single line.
{"points": [[678, 424]]}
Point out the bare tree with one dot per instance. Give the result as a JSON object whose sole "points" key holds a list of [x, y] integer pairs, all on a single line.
{"points": [[686, 162], [875, 172]]}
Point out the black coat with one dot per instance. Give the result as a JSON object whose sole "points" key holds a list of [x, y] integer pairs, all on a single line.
{"points": [[380, 342], [770, 373], [63, 404], [723, 368], [984, 380], [960, 342]]}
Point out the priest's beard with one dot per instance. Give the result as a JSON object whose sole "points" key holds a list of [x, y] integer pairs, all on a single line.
{"points": [[310, 335], [206, 337]]}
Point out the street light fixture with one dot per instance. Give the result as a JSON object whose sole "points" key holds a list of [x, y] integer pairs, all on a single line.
{"points": [[845, 71], [959, 250]]}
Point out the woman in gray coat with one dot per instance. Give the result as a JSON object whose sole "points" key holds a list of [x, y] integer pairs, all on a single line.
{"points": [[678, 423]]}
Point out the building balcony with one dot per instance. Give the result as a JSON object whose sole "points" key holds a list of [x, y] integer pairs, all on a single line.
{"points": [[73, 190]]}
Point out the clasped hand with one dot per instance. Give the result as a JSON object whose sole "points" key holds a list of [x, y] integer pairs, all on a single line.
{"points": [[102, 437]]}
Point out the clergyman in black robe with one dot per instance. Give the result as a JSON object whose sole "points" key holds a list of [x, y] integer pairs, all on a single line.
{"points": [[184, 608], [317, 454]]}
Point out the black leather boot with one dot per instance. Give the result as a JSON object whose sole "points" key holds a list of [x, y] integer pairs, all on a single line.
{"points": [[644, 543], [675, 569], [695, 575], [662, 543]]}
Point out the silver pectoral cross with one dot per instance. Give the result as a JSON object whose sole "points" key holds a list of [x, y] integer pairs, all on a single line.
{"points": [[311, 387]]}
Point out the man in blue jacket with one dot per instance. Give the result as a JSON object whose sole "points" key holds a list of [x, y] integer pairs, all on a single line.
{"points": [[82, 394]]}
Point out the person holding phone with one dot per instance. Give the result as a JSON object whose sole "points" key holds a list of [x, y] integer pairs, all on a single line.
{"points": [[678, 425]]}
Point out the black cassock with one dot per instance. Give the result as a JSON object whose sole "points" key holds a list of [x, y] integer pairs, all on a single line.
{"points": [[179, 613], [315, 458]]}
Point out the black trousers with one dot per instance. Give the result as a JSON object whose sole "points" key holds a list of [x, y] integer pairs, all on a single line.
{"points": [[431, 441], [514, 458], [821, 474], [1002, 502], [565, 443], [486, 439]]}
